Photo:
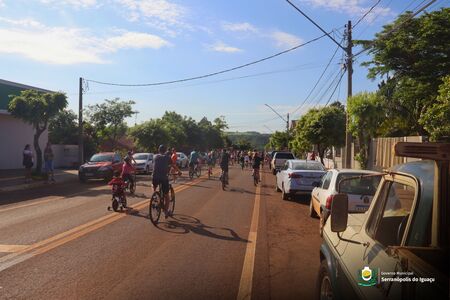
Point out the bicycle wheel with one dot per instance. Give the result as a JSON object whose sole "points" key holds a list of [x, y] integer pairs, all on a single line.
{"points": [[155, 208], [133, 186], [172, 200], [191, 174], [115, 203], [199, 172]]}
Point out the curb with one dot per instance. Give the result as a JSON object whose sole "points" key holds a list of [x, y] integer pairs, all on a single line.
{"points": [[32, 185]]}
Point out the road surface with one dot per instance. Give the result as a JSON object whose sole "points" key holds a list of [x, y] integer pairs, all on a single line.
{"points": [[60, 242]]}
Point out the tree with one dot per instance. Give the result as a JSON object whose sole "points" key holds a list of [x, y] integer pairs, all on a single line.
{"points": [[108, 118], [63, 128], [278, 140], [324, 128], [366, 114], [437, 119], [412, 59], [149, 135], [37, 109]]}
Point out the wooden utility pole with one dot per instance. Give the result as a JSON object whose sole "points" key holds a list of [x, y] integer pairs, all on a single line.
{"points": [[348, 135], [80, 124]]}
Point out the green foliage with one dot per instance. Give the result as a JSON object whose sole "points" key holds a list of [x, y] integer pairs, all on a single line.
{"points": [[324, 128], [249, 139], [63, 128], [37, 109], [181, 132], [413, 59], [437, 118], [279, 140], [366, 114], [108, 119]]}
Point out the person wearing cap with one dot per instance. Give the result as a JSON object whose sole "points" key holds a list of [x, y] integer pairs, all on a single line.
{"points": [[161, 166]]}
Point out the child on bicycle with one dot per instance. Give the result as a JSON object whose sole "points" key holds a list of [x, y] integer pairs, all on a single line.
{"points": [[118, 187], [127, 170]]}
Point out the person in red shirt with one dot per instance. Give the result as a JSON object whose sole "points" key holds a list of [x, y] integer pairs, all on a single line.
{"points": [[127, 170], [175, 169]]}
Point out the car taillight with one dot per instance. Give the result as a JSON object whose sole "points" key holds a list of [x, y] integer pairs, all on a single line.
{"points": [[329, 200], [294, 175]]}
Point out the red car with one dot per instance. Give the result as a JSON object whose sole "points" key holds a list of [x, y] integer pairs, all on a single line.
{"points": [[100, 166]]}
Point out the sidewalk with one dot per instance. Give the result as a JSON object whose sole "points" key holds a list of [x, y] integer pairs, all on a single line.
{"points": [[14, 180]]}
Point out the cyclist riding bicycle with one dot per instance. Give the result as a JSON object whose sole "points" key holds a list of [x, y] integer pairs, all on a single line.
{"points": [[193, 159], [161, 165], [175, 170], [256, 164], [127, 170], [224, 161]]}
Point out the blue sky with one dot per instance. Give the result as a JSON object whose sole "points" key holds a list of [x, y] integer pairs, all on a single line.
{"points": [[51, 43]]}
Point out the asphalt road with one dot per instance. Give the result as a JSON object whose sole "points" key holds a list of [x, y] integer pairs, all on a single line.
{"points": [[60, 242]]}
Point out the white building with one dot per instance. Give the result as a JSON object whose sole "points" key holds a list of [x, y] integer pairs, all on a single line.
{"points": [[14, 133]]}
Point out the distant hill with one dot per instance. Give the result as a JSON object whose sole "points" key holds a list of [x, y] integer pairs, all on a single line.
{"points": [[256, 139]]}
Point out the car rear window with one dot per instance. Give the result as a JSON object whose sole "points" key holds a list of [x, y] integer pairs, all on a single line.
{"points": [[281, 155], [140, 156], [101, 157], [365, 186], [308, 166]]}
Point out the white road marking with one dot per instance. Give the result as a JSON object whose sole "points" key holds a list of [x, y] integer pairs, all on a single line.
{"points": [[12, 248]]}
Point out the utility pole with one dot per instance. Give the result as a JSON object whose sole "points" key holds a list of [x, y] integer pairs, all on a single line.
{"points": [[80, 124], [348, 135], [287, 131]]}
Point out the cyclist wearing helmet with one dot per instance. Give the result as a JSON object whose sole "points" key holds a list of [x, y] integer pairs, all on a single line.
{"points": [[161, 166], [193, 159]]}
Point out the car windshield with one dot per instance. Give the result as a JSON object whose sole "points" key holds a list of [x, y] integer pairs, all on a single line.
{"points": [[307, 166], [101, 157], [140, 156], [363, 186], [284, 156]]}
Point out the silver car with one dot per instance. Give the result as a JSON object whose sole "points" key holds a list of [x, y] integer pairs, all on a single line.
{"points": [[182, 160], [144, 162]]}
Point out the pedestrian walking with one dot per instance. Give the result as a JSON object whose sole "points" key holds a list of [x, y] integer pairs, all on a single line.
{"points": [[48, 162], [27, 162]]}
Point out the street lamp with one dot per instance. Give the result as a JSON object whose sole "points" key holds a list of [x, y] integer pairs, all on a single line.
{"points": [[282, 118]]}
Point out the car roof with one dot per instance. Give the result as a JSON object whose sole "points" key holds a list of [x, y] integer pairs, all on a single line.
{"points": [[304, 161], [103, 153], [340, 171], [142, 153]]}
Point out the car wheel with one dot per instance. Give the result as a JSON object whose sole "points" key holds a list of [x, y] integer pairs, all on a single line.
{"points": [[82, 178], [284, 195], [324, 286], [312, 212]]}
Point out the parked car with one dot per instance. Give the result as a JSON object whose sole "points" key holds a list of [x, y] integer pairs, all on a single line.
{"points": [[144, 162], [298, 177], [100, 166], [182, 160], [279, 159], [399, 248], [360, 193]]}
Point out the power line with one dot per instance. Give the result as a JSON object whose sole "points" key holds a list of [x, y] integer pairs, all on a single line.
{"points": [[338, 84], [397, 26], [368, 12], [317, 25], [373, 20], [328, 88], [317, 82], [211, 74]]}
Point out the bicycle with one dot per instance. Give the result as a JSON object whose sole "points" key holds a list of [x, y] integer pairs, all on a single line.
{"points": [[131, 185], [194, 170], [224, 179], [255, 176], [157, 203], [209, 171]]}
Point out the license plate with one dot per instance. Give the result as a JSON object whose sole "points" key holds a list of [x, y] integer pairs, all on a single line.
{"points": [[361, 208]]}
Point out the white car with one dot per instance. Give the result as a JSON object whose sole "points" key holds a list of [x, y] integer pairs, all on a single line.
{"points": [[144, 162], [298, 177], [279, 159], [359, 195], [182, 160]]}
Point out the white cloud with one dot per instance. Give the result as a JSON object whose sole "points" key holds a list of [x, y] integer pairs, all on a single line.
{"points": [[351, 7], [63, 45], [221, 47], [73, 3], [2, 3], [285, 40], [245, 27]]}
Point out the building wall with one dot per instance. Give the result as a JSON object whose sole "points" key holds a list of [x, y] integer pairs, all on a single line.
{"points": [[65, 156], [14, 135]]}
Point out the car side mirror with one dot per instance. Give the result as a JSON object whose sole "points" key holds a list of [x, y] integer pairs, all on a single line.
{"points": [[339, 213]]}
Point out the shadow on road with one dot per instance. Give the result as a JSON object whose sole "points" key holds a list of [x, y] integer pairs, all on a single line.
{"points": [[183, 224]]}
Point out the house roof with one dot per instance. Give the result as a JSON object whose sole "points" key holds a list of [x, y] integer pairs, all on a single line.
{"points": [[13, 88]]}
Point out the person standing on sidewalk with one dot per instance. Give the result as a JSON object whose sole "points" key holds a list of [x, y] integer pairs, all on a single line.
{"points": [[48, 162], [27, 162]]}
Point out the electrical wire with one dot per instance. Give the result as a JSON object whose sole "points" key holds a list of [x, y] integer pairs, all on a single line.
{"points": [[317, 82], [368, 12], [210, 74], [372, 21], [338, 84], [397, 26], [328, 88]]}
